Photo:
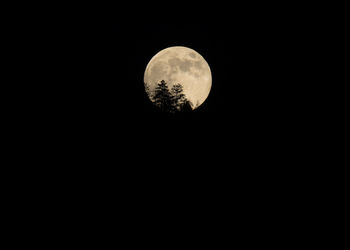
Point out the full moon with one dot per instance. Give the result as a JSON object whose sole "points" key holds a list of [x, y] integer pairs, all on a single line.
{"points": [[180, 65]]}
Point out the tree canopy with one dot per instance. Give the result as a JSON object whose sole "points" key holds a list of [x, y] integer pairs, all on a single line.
{"points": [[173, 100]]}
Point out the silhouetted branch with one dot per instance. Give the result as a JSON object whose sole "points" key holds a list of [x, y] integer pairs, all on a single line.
{"points": [[170, 101]]}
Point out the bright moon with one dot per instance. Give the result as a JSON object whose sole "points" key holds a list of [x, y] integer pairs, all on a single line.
{"points": [[180, 65]]}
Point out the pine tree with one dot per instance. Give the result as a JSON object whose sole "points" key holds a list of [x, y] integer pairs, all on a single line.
{"points": [[186, 106], [170, 101], [162, 97], [178, 98]]}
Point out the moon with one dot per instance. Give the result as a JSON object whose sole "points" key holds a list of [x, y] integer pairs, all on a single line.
{"points": [[180, 65]]}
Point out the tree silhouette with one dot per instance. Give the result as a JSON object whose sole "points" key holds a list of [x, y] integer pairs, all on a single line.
{"points": [[178, 98], [186, 106], [162, 97], [170, 101]]}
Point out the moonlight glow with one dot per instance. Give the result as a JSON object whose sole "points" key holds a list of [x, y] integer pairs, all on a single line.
{"points": [[184, 66]]}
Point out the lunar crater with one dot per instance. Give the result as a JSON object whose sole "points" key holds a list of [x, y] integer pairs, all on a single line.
{"points": [[193, 55]]}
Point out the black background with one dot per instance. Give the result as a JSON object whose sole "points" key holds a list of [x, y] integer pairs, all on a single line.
{"points": [[256, 97], [240, 154], [255, 115]]}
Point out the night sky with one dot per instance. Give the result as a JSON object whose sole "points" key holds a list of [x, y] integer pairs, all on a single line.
{"points": [[244, 147], [256, 99]]}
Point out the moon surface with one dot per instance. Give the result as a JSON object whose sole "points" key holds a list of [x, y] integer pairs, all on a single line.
{"points": [[180, 65]]}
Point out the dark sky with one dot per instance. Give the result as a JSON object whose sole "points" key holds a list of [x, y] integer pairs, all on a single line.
{"points": [[256, 90], [256, 94], [144, 41], [249, 131], [243, 65]]}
